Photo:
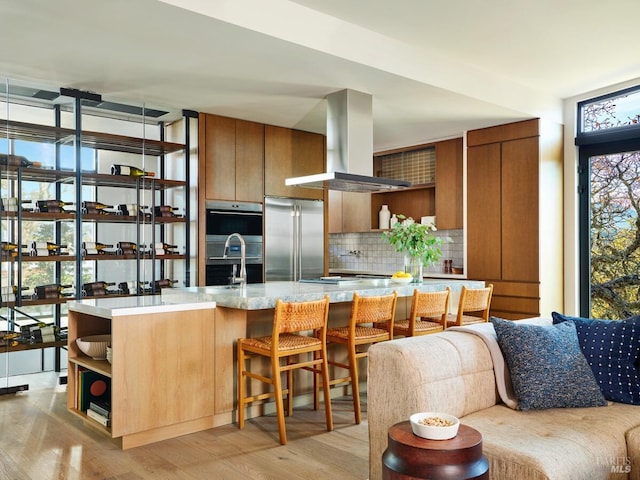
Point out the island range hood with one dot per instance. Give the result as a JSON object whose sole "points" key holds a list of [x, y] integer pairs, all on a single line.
{"points": [[349, 148]]}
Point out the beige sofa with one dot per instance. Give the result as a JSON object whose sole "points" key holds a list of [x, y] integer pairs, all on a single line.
{"points": [[453, 372]]}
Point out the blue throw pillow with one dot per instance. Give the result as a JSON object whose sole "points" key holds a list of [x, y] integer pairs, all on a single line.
{"points": [[548, 369], [611, 347]]}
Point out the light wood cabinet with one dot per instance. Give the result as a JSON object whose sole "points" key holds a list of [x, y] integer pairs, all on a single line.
{"points": [[162, 376], [448, 190], [514, 216], [292, 153], [349, 212], [232, 159]]}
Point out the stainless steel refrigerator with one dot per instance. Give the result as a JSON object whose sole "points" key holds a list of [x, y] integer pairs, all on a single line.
{"points": [[294, 239]]}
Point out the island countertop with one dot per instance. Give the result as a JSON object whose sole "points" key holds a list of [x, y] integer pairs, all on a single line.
{"points": [[121, 306], [259, 296]]}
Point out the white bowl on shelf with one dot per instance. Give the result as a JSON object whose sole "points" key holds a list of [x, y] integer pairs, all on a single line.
{"points": [[94, 346], [442, 426], [109, 353]]}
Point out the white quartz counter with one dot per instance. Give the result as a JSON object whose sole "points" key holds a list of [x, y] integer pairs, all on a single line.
{"points": [[142, 305], [260, 296]]}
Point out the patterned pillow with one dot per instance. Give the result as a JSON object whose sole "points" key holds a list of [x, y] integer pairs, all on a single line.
{"points": [[548, 370], [611, 347]]}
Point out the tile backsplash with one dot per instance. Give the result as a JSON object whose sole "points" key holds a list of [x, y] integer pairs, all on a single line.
{"points": [[369, 252]]}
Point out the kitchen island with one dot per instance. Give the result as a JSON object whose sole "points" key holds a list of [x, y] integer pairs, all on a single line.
{"points": [[248, 311], [173, 363]]}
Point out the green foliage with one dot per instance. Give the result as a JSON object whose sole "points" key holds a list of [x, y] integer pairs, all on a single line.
{"points": [[615, 235], [415, 240]]}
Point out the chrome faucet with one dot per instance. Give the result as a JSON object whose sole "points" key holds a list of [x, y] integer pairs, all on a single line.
{"points": [[242, 277]]}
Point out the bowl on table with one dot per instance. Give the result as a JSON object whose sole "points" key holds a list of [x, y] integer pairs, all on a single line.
{"points": [[434, 425], [94, 346]]}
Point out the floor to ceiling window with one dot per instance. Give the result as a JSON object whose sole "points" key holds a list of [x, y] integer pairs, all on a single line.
{"points": [[609, 189]]}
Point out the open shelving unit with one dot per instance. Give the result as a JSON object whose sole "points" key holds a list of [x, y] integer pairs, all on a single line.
{"points": [[169, 159]]}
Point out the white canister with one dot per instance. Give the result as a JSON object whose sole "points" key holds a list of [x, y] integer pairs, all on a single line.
{"points": [[393, 220], [383, 217]]}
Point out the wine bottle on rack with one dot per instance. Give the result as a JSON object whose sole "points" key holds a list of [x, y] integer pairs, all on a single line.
{"points": [[47, 246], [164, 283], [10, 204], [17, 161], [164, 211], [96, 205], [130, 171], [94, 289], [96, 245], [52, 206], [10, 246], [164, 246], [53, 290], [99, 284]]}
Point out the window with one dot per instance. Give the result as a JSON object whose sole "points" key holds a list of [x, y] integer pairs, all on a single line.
{"points": [[609, 190]]}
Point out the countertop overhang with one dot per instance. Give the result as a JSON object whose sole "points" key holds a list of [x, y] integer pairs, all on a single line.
{"points": [[142, 305]]}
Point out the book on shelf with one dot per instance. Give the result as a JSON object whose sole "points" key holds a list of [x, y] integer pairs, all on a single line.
{"points": [[101, 419], [103, 407], [92, 386]]}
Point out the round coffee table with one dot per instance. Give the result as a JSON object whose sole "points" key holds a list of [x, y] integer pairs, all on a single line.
{"points": [[409, 457]]}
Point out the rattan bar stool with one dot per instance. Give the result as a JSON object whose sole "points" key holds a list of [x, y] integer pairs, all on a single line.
{"points": [[379, 311], [428, 314], [473, 307], [299, 329]]}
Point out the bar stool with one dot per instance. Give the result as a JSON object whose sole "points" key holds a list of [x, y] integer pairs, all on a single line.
{"points": [[290, 338], [474, 306], [428, 314], [376, 310]]}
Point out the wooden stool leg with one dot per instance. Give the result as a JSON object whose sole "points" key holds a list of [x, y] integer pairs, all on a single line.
{"points": [[289, 389], [277, 390], [241, 385], [316, 383], [355, 389], [326, 390]]}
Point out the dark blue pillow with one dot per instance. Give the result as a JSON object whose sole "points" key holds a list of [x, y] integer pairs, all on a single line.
{"points": [[547, 368], [611, 347]]}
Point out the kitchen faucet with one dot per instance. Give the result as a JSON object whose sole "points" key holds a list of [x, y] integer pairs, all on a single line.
{"points": [[242, 277]]}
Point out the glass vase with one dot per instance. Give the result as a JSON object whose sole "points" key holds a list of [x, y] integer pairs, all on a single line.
{"points": [[413, 265]]}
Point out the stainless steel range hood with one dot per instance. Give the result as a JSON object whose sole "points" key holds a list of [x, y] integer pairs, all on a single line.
{"points": [[349, 148]]}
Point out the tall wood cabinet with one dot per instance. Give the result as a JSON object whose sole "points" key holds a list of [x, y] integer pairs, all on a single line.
{"points": [[514, 216], [292, 153], [232, 158]]}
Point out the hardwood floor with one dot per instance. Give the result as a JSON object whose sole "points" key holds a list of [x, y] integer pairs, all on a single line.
{"points": [[40, 440]]}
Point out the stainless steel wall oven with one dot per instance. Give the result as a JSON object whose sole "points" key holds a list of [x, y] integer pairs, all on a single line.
{"points": [[223, 219]]}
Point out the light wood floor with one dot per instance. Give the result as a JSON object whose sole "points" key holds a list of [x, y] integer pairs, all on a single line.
{"points": [[40, 440]]}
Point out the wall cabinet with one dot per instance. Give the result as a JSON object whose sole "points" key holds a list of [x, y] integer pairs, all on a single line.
{"points": [[349, 212], [448, 190], [292, 153], [442, 197], [232, 159], [514, 216]]}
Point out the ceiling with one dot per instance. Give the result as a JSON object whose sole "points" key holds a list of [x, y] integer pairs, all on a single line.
{"points": [[434, 67]]}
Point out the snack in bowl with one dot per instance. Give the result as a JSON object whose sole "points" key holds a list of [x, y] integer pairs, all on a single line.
{"points": [[434, 425], [401, 277]]}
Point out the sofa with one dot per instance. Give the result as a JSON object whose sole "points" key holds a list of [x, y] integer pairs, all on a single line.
{"points": [[458, 372]]}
